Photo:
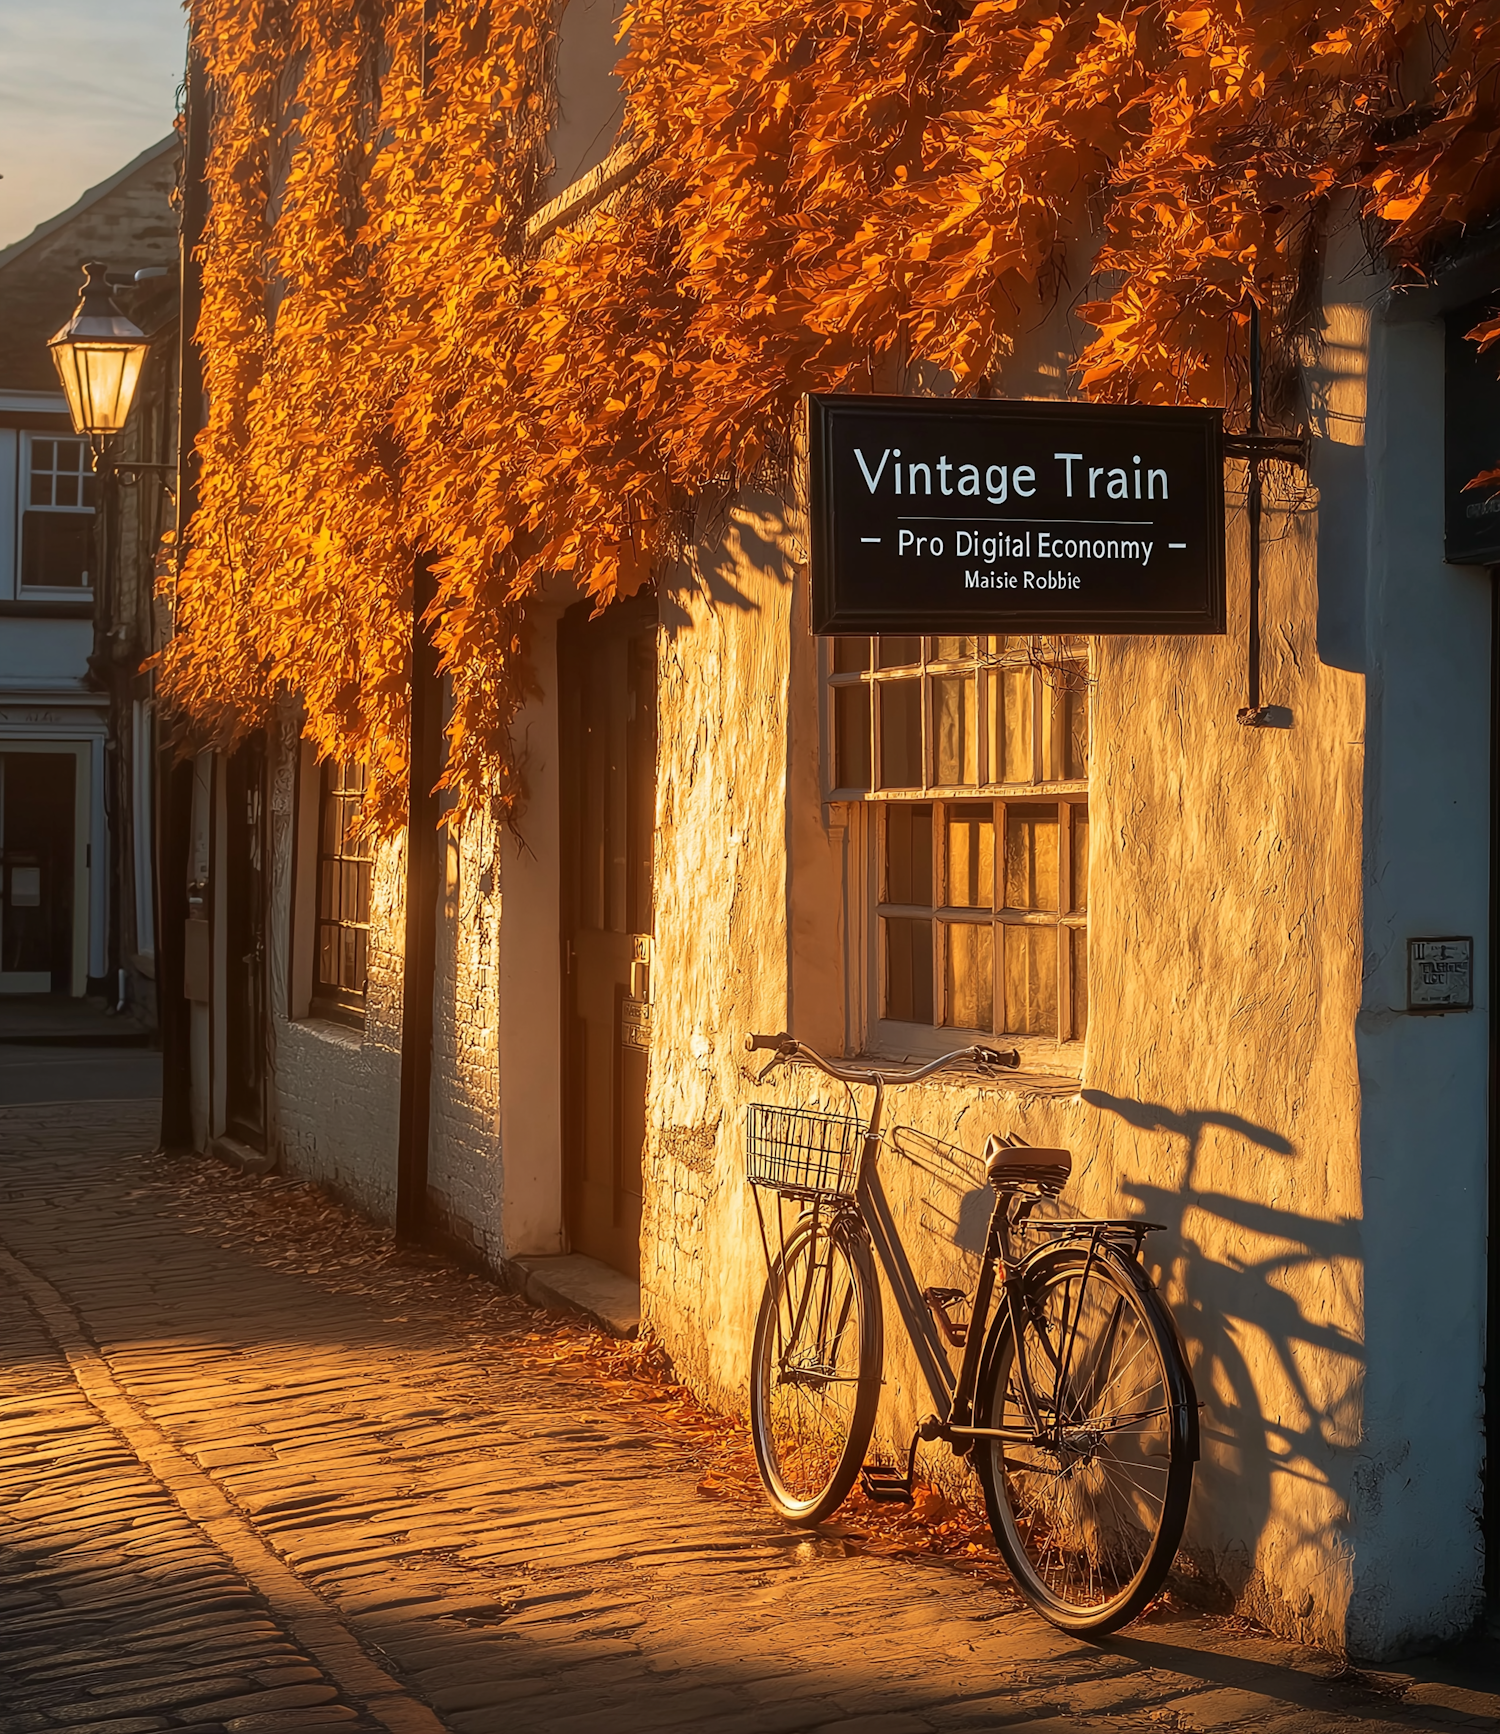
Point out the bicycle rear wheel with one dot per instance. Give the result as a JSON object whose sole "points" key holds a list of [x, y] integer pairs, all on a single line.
{"points": [[815, 1372], [1087, 1513]]}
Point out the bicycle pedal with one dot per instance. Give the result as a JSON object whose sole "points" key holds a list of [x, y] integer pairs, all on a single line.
{"points": [[885, 1484]]}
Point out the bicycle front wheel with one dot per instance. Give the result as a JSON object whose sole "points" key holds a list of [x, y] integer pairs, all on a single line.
{"points": [[1088, 1510], [815, 1373]]}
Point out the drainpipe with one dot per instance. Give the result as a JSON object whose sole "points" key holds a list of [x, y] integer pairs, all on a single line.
{"points": [[1491, 1525], [172, 831], [423, 846]]}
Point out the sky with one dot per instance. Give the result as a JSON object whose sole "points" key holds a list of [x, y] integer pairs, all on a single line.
{"points": [[85, 85]]}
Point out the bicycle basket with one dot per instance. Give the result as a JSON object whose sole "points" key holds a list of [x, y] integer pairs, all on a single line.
{"points": [[800, 1151]]}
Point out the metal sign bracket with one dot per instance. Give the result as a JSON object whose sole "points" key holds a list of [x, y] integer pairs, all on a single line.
{"points": [[1257, 447]]}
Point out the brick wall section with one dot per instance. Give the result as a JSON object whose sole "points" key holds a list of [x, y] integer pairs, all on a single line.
{"points": [[130, 226], [336, 1090], [464, 1181]]}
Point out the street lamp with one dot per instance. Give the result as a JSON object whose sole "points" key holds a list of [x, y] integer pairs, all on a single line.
{"points": [[99, 354]]}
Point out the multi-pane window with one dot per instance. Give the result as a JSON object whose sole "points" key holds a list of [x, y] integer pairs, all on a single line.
{"points": [[57, 517], [344, 864], [973, 759]]}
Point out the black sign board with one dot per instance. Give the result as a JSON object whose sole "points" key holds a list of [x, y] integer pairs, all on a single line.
{"points": [[944, 515], [1471, 441]]}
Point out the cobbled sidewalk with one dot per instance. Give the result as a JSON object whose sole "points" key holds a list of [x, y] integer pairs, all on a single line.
{"points": [[234, 1500]]}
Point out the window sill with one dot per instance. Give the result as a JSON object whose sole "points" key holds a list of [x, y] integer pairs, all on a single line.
{"points": [[1061, 788], [340, 1032], [50, 606], [585, 193], [1043, 1061]]}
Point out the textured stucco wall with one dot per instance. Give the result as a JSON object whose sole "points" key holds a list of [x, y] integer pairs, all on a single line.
{"points": [[1252, 1080]]}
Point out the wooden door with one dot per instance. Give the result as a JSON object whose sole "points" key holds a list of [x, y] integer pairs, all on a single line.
{"points": [[37, 872], [607, 670], [245, 944]]}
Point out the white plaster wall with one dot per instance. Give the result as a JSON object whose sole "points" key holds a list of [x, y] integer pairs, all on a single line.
{"points": [[1317, 1158], [1416, 1491], [38, 654]]}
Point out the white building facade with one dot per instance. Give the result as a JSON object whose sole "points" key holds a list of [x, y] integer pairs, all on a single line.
{"points": [[75, 776]]}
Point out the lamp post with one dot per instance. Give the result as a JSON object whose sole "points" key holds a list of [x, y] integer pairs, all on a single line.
{"points": [[98, 355]]}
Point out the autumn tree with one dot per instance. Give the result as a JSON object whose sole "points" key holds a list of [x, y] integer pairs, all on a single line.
{"points": [[830, 197]]}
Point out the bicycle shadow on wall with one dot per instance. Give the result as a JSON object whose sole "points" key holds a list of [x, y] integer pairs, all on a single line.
{"points": [[1280, 1388]]}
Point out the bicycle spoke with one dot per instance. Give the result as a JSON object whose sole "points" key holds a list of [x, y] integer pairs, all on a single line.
{"points": [[809, 1386], [1083, 1505]]}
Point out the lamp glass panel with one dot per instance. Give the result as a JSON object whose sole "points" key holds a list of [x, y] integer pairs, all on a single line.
{"points": [[103, 370], [100, 381], [67, 371]]}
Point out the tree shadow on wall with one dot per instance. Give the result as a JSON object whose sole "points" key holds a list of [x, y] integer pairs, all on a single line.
{"points": [[728, 537], [1278, 1373]]}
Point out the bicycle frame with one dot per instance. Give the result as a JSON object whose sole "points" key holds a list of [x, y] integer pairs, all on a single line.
{"points": [[953, 1394]]}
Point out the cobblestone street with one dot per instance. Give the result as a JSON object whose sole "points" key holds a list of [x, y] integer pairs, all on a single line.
{"points": [[237, 1497]]}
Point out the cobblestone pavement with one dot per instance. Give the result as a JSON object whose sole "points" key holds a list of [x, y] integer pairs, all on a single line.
{"points": [[235, 1499]]}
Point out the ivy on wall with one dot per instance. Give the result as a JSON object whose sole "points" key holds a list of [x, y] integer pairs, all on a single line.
{"points": [[836, 195]]}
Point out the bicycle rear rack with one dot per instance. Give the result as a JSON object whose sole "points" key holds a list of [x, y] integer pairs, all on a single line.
{"points": [[940, 1299]]}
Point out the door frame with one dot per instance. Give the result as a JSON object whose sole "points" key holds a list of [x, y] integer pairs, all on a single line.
{"points": [[639, 610], [82, 754], [1490, 1517], [220, 1125]]}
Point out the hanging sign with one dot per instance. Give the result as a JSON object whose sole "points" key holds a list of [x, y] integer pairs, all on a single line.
{"points": [[944, 515]]}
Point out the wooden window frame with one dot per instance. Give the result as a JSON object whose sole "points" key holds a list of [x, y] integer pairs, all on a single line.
{"points": [[341, 1004], [867, 810], [25, 509]]}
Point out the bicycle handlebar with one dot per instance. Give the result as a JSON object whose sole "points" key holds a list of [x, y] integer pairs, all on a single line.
{"points": [[787, 1048]]}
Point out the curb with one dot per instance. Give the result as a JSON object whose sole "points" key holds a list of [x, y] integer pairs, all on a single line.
{"points": [[578, 1287]]}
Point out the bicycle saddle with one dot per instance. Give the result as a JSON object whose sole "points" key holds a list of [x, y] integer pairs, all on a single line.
{"points": [[1007, 1166]]}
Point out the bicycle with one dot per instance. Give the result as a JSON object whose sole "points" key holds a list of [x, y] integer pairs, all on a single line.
{"points": [[1074, 1402]]}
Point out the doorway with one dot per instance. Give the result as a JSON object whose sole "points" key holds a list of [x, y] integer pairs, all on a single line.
{"points": [[245, 944], [37, 871], [607, 685]]}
